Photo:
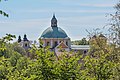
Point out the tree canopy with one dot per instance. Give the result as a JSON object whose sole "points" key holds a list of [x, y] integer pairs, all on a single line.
{"points": [[83, 41]]}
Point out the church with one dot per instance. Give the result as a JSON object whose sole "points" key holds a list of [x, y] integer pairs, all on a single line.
{"points": [[55, 37]]}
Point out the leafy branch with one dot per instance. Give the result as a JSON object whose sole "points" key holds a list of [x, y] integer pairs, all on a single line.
{"points": [[2, 12]]}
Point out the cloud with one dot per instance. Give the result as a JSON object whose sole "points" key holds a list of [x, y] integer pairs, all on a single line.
{"points": [[41, 24], [97, 5], [74, 26], [70, 11]]}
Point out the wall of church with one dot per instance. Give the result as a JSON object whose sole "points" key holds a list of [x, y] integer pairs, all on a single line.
{"points": [[54, 42]]}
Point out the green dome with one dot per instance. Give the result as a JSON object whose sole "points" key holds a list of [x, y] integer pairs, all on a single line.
{"points": [[54, 32]]}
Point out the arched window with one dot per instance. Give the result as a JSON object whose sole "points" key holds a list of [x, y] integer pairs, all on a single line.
{"points": [[67, 43], [26, 45]]}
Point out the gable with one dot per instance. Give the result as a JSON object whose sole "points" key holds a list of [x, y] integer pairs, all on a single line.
{"points": [[62, 45]]}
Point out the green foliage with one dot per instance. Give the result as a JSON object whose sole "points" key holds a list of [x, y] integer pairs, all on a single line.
{"points": [[3, 13], [42, 65], [81, 42], [18, 48], [102, 60], [101, 63], [115, 25]]}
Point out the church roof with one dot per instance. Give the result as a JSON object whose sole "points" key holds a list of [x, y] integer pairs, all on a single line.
{"points": [[54, 32]]}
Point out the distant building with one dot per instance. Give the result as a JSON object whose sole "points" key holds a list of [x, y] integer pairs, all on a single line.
{"points": [[25, 43], [55, 37], [81, 48], [100, 36]]}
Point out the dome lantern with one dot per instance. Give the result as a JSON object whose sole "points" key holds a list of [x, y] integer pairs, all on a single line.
{"points": [[54, 31], [25, 38], [19, 39], [54, 21]]}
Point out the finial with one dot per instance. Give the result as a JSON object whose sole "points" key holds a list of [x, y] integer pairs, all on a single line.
{"points": [[54, 21], [53, 15]]}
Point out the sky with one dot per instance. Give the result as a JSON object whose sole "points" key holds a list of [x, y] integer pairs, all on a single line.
{"points": [[32, 17]]}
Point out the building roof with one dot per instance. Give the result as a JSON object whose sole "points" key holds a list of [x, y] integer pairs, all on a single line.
{"points": [[80, 47], [54, 32], [62, 45]]}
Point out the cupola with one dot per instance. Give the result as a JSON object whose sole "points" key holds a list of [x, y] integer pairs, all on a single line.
{"points": [[53, 21]]}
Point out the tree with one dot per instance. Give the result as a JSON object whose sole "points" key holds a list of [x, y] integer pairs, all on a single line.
{"points": [[43, 66], [2, 12], [115, 25], [83, 41], [115, 38], [98, 65]]}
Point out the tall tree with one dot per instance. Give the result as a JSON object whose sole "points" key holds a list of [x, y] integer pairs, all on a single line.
{"points": [[115, 25]]}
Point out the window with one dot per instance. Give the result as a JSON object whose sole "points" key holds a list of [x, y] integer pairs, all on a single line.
{"points": [[48, 43], [67, 43], [26, 45]]}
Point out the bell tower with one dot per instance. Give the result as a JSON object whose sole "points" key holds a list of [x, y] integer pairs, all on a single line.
{"points": [[54, 21], [26, 42]]}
